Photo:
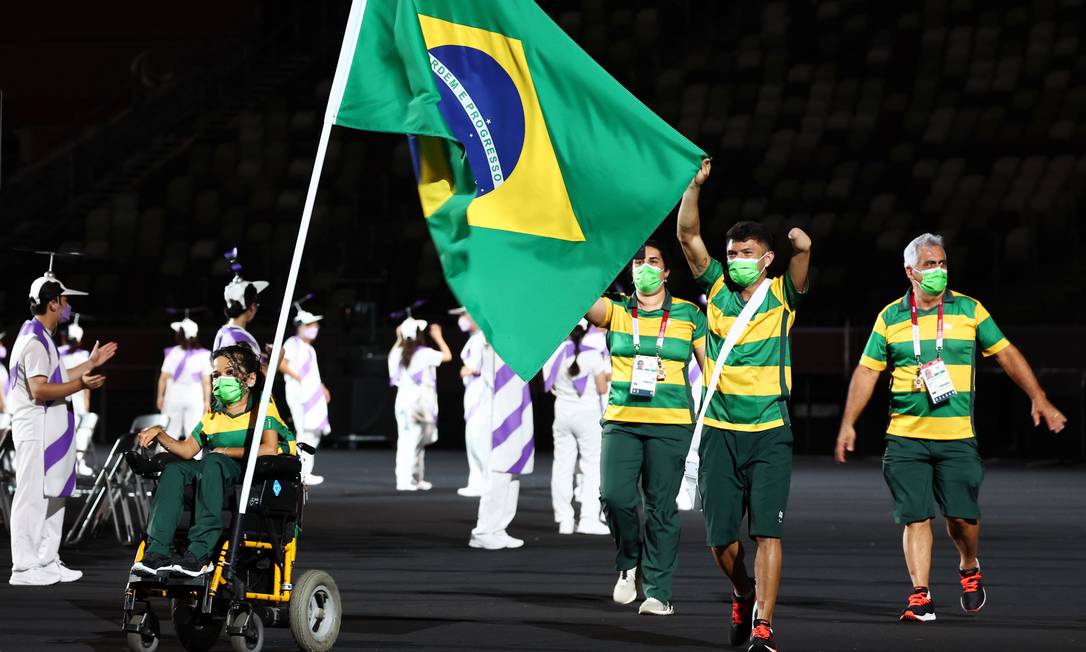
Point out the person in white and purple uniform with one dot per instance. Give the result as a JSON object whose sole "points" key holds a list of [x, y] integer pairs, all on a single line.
{"points": [[241, 307], [3, 376], [43, 430], [477, 406], [184, 384], [307, 397], [577, 375], [73, 354], [412, 368]]}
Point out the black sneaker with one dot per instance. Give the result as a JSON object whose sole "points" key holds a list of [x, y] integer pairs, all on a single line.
{"points": [[742, 617], [973, 595], [151, 563], [192, 566], [761, 637], [921, 607]]}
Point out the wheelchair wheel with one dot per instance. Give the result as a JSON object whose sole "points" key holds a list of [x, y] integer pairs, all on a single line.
{"points": [[196, 632], [315, 611], [253, 638], [138, 642]]}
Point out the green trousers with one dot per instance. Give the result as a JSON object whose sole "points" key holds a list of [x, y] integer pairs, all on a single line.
{"points": [[647, 458], [213, 475]]}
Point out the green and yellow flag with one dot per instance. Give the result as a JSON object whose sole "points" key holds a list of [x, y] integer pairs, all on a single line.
{"points": [[539, 174]]}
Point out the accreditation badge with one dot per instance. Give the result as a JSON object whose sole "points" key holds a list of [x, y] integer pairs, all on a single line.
{"points": [[937, 381], [643, 379]]}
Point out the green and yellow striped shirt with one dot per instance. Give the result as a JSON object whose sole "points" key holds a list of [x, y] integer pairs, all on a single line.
{"points": [[685, 330], [218, 429], [757, 375], [965, 323]]}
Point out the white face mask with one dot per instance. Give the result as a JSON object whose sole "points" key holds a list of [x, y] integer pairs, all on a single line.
{"points": [[310, 332], [464, 324]]}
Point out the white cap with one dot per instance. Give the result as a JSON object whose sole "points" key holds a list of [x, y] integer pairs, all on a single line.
{"points": [[49, 277], [187, 326], [459, 311], [234, 292], [304, 317], [411, 327]]}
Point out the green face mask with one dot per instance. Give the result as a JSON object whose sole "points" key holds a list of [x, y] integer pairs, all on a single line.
{"points": [[745, 271], [227, 389], [933, 281], [647, 279]]}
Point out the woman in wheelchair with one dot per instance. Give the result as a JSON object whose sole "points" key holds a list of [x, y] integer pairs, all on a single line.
{"points": [[222, 436]]}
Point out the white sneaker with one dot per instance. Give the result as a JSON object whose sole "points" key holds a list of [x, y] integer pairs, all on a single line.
{"points": [[512, 542], [565, 527], [406, 487], [469, 492], [40, 576], [311, 480], [653, 607], [83, 469], [66, 574], [626, 587], [592, 526], [487, 542], [423, 485]]}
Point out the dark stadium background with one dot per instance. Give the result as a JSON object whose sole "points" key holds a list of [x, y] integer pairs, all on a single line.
{"points": [[154, 137]]}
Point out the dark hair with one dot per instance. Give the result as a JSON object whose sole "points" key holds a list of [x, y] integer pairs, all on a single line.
{"points": [[640, 255], [234, 309], [577, 335], [50, 290], [186, 343], [243, 361], [747, 230], [409, 348]]}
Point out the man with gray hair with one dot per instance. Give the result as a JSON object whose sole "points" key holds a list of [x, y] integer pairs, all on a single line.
{"points": [[930, 338]]}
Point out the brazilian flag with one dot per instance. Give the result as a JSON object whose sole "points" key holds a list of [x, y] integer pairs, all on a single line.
{"points": [[539, 174]]}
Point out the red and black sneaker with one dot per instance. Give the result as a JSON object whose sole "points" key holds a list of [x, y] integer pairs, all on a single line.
{"points": [[921, 607], [742, 617], [973, 595], [761, 637]]}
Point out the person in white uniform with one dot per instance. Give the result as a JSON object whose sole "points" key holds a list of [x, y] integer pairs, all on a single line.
{"points": [[307, 396], [412, 368], [72, 355], [4, 378], [184, 384], [241, 306], [43, 430], [512, 454], [577, 375], [476, 405]]}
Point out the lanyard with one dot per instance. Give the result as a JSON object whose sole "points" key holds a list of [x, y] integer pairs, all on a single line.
{"points": [[916, 329], [637, 329]]}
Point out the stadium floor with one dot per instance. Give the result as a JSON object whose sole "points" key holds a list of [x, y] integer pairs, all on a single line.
{"points": [[409, 581]]}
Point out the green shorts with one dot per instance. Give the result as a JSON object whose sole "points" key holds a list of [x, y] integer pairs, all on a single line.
{"points": [[922, 472], [744, 472]]}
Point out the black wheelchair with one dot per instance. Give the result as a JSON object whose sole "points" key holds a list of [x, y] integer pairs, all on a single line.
{"points": [[258, 590]]}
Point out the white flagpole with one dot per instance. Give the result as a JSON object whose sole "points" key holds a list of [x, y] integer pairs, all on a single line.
{"points": [[339, 83]]}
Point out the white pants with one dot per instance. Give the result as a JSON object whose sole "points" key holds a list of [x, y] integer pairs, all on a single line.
{"points": [[301, 435], [313, 438], [413, 436], [477, 445], [184, 405], [498, 504], [36, 521], [576, 430]]}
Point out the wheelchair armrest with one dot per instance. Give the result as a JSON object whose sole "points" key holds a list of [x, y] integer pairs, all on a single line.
{"points": [[277, 467], [149, 467]]}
